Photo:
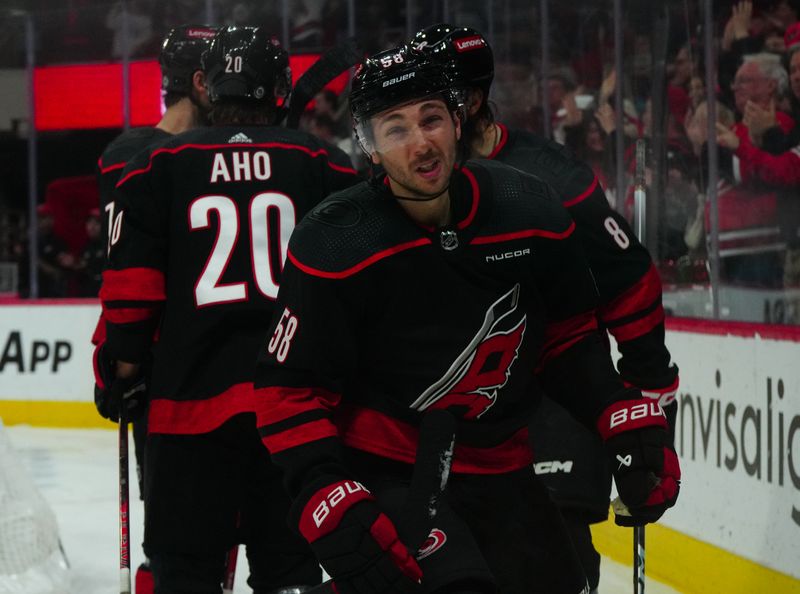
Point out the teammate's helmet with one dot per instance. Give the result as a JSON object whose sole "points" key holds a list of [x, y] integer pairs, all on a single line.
{"points": [[180, 56], [246, 63], [463, 51], [394, 77]]}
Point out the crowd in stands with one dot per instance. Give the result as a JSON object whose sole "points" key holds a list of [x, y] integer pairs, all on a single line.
{"points": [[757, 109]]}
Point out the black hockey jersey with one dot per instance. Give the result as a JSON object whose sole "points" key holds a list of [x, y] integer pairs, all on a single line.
{"points": [[205, 221], [629, 286], [379, 320], [109, 169]]}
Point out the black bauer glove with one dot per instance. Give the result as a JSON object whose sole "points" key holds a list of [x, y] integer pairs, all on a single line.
{"points": [[645, 466], [110, 391], [354, 540]]}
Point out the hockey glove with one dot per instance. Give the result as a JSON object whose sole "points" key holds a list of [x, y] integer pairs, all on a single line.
{"points": [[111, 392], [644, 463], [354, 540]]}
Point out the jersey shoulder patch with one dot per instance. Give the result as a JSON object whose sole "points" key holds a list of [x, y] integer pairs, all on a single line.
{"points": [[350, 230]]}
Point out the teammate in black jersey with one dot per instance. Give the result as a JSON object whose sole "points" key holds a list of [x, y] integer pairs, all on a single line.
{"points": [[628, 284], [205, 219], [186, 102], [440, 286]]}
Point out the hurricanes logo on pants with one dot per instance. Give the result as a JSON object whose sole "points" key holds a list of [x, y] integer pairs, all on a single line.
{"points": [[483, 367]]}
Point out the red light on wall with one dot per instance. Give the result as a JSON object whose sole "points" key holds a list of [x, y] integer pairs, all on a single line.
{"points": [[90, 95]]}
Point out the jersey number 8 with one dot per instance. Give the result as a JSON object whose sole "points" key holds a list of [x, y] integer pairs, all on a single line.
{"points": [[209, 290]]}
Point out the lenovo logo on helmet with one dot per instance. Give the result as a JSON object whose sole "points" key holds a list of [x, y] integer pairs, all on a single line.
{"points": [[397, 79], [470, 43], [201, 33]]}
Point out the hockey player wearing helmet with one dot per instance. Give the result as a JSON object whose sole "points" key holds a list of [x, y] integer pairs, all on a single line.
{"points": [[197, 254], [629, 290], [436, 285], [186, 102]]}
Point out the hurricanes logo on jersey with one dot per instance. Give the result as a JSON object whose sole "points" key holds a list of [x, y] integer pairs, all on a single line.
{"points": [[474, 378]]}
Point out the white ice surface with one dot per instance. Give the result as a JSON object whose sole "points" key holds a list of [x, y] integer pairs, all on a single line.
{"points": [[76, 471]]}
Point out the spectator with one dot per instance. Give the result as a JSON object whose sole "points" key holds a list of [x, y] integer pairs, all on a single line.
{"points": [[90, 265], [759, 83], [55, 263], [559, 92]]}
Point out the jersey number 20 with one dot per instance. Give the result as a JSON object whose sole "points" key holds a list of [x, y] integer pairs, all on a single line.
{"points": [[209, 290]]}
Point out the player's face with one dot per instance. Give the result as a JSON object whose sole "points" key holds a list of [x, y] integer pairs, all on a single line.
{"points": [[416, 145]]}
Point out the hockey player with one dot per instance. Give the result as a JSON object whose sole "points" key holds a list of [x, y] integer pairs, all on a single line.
{"points": [[186, 102], [204, 223], [439, 286], [628, 284]]}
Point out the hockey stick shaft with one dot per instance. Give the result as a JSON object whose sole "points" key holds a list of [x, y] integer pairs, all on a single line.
{"points": [[638, 560], [124, 510], [431, 471], [330, 64], [230, 570]]}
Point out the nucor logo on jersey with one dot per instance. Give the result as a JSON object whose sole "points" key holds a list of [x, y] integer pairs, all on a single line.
{"points": [[508, 255], [334, 498], [470, 43], [397, 79], [552, 467]]}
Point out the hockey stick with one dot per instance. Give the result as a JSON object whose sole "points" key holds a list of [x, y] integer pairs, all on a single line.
{"points": [[638, 560], [124, 509], [431, 471], [621, 509], [230, 563], [330, 64], [230, 570]]}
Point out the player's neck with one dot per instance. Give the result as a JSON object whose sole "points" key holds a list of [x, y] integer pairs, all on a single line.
{"points": [[179, 118], [486, 140], [428, 213]]}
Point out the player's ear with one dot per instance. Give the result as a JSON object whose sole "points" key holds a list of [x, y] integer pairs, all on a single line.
{"points": [[474, 101], [199, 81], [457, 122], [375, 158]]}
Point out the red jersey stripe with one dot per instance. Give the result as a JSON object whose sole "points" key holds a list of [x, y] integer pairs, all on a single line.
{"points": [[377, 433], [205, 147], [638, 327], [524, 234], [190, 417], [476, 197], [501, 143], [129, 315], [361, 265], [300, 435], [109, 168], [639, 296], [278, 403], [133, 284], [582, 196]]}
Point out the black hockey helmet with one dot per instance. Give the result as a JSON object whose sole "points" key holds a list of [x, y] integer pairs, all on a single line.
{"points": [[180, 56], [463, 51], [393, 77], [247, 63]]}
